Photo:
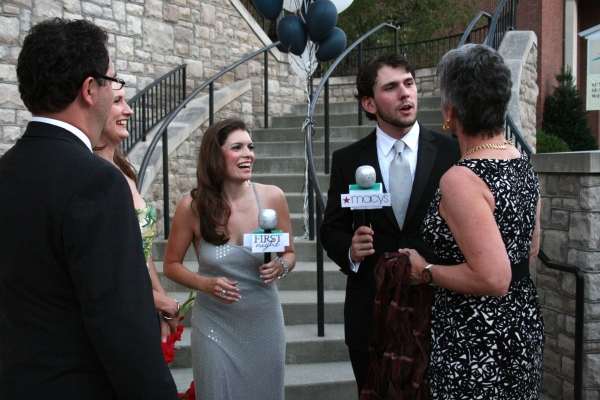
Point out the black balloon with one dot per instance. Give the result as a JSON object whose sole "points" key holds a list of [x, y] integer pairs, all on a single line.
{"points": [[332, 46], [292, 34], [270, 9], [321, 19]]}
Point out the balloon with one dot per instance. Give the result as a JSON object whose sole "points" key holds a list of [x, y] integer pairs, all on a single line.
{"points": [[292, 5], [304, 64], [292, 34], [320, 19], [270, 9], [341, 5], [332, 46]]}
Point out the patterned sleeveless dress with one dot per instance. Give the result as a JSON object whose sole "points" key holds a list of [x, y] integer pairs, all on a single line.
{"points": [[486, 347], [147, 219], [238, 350]]}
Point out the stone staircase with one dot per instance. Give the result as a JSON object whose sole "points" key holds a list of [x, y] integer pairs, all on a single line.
{"points": [[316, 367]]}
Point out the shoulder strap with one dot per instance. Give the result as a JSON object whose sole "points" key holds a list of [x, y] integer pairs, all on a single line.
{"points": [[257, 199]]}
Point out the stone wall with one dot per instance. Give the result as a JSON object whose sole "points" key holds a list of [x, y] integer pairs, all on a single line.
{"points": [[570, 221], [519, 50], [148, 38]]}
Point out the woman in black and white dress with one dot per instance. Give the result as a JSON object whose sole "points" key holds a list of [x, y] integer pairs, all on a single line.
{"points": [[487, 328]]}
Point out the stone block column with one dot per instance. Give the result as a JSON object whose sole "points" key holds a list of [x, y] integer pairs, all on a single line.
{"points": [[570, 221]]}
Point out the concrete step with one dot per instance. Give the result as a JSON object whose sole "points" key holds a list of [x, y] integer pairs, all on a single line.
{"points": [[323, 381], [295, 148], [297, 121], [303, 346], [300, 306], [334, 108], [291, 182], [284, 165], [293, 133]]}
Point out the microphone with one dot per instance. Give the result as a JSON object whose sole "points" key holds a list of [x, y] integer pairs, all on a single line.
{"points": [[365, 179], [267, 221]]}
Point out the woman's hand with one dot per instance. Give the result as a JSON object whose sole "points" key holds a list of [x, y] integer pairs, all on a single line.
{"points": [[222, 289], [271, 271], [417, 265]]}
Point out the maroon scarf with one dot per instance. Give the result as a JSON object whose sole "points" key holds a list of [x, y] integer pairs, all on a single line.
{"points": [[401, 340]]}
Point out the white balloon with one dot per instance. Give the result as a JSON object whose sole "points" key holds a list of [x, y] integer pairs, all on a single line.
{"points": [[341, 5], [306, 63], [291, 5]]}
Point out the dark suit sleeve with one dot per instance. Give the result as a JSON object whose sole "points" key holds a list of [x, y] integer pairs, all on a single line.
{"points": [[337, 228], [103, 242]]}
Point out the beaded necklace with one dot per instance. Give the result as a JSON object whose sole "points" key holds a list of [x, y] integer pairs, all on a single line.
{"points": [[496, 146]]}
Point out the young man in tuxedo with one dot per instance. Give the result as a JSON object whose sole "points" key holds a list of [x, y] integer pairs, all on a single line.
{"points": [[387, 90], [77, 318]]}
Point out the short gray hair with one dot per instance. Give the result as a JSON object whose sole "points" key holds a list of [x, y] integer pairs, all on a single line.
{"points": [[475, 82]]}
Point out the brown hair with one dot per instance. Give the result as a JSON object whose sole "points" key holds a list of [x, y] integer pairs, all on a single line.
{"points": [[210, 205], [401, 340], [121, 161]]}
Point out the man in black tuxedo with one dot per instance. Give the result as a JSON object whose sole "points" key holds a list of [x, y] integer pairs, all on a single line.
{"points": [[388, 93], [77, 318]]}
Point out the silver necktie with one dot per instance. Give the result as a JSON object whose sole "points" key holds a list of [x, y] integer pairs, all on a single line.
{"points": [[400, 183]]}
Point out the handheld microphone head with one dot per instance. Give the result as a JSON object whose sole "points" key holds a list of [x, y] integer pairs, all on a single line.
{"points": [[267, 219], [365, 176]]}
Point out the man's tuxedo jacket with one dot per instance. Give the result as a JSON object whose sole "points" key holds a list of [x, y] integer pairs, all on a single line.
{"points": [[77, 317], [436, 154]]}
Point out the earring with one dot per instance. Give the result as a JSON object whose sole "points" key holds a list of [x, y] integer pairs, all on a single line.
{"points": [[248, 183], [446, 126]]}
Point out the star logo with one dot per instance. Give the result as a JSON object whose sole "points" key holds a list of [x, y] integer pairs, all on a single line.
{"points": [[346, 200]]}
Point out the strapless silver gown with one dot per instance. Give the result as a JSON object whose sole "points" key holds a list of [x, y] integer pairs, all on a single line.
{"points": [[238, 349]]}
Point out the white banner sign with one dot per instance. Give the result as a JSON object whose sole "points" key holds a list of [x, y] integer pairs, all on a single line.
{"points": [[267, 242], [365, 200]]}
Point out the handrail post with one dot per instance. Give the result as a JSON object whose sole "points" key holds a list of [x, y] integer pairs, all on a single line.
{"points": [[326, 135], [309, 187], [211, 104], [165, 151], [320, 278], [360, 62], [266, 111]]}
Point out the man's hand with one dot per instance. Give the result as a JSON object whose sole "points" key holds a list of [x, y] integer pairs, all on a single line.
{"points": [[362, 244]]}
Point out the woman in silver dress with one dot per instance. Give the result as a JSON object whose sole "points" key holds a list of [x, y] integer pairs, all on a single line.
{"points": [[487, 330], [238, 337]]}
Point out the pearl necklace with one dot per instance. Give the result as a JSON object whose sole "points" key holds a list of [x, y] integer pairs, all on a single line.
{"points": [[496, 146]]}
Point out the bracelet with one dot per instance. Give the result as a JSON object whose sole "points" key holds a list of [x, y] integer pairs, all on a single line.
{"points": [[285, 267], [176, 314]]}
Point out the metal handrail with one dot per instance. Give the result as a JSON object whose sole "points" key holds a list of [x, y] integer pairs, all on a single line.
{"points": [[579, 304], [466, 37], [509, 19], [161, 132], [153, 104]]}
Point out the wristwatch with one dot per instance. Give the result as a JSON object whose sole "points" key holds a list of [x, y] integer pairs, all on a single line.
{"points": [[426, 275]]}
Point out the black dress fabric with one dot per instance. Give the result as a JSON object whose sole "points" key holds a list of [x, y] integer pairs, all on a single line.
{"points": [[486, 347]]}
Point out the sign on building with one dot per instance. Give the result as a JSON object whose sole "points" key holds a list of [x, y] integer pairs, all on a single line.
{"points": [[593, 67]]}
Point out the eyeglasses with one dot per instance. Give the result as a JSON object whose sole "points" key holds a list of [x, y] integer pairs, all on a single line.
{"points": [[120, 82]]}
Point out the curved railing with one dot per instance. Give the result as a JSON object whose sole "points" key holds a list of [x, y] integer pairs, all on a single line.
{"points": [[165, 140], [505, 19], [153, 104], [466, 37]]}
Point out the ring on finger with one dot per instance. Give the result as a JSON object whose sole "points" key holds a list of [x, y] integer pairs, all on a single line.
{"points": [[223, 293]]}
